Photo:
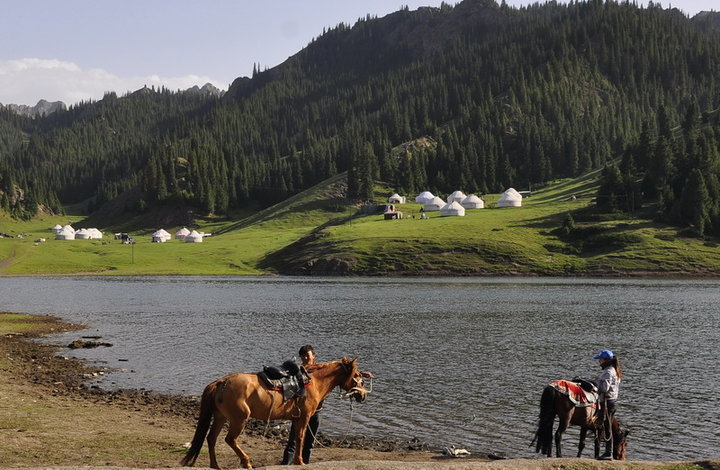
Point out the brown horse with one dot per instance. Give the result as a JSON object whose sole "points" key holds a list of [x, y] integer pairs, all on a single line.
{"points": [[554, 403], [238, 397]]}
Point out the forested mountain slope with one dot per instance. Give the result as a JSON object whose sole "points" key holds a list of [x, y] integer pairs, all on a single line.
{"points": [[510, 97]]}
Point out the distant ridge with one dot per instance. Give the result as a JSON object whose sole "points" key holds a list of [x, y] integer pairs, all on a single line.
{"points": [[44, 107]]}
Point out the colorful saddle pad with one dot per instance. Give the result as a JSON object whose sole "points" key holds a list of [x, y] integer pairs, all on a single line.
{"points": [[575, 393]]}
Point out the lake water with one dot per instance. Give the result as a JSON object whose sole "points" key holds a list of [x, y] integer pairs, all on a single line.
{"points": [[459, 361]]}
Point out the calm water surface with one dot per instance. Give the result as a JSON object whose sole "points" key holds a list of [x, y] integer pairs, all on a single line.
{"points": [[458, 361]]}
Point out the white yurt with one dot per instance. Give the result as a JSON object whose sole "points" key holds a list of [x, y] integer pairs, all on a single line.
{"points": [[424, 197], [452, 208], [434, 205], [194, 237], [69, 228], [396, 199], [56, 228], [182, 233], [161, 236], [95, 234], [472, 202], [456, 196], [510, 198], [82, 234], [65, 234]]}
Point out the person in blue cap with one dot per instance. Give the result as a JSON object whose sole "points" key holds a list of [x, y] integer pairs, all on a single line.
{"points": [[608, 385]]}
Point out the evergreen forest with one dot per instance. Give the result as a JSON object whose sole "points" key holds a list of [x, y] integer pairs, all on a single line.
{"points": [[477, 96]]}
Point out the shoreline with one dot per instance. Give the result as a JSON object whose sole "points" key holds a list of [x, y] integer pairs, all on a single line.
{"points": [[50, 417], [40, 367]]}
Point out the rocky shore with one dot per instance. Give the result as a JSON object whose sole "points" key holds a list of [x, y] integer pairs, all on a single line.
{"points": [[51, 418]]}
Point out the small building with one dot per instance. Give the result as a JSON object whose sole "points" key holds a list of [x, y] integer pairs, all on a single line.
{"points": [[182, 233], [472, 202], [392, 213], [424, 197], [434, 205], [56, 228], [82, 234], [452, 209], [510, 198], [194, 237], [396, 199], [161, 236], [456, 196], [95, 234], [65, 234]]}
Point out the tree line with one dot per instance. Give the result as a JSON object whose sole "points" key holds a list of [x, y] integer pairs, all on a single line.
{"points": [[498, 96]]}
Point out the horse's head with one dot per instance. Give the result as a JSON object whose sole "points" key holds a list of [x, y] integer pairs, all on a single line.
{"points": [[353, 385], [619, 441]]}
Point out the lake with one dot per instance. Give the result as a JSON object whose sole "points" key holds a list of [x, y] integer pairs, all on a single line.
{"points": [[459, 361]]}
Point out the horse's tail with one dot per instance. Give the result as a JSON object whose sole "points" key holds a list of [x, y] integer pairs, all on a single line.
{"points": [[544, 433], [207, 409]]}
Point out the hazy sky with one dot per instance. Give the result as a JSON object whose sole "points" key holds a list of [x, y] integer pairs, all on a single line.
{"points": [[73, 50]]}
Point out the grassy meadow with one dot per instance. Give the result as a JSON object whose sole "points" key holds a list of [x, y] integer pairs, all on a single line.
{"points": [[317, 232]]}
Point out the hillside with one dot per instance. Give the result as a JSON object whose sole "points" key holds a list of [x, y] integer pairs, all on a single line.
{"points": [[512, 97], [319, 232]]}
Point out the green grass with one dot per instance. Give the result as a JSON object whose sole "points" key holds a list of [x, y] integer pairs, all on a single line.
{"points": [[313, 232]]}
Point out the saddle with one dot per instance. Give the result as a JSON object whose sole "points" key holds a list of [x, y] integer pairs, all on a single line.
{"points": [[580, 392], [288, 378]]}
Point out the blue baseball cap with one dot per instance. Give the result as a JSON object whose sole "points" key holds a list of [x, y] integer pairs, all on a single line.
{"points": [[604, 354]]}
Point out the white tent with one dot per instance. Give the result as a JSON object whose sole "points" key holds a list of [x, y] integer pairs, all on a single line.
{"points": [[82, 234], [396, 199], [452, 208], [56, 228], [434, 205], [456, 196], [69, 228], [510, 198], [194, 237], [424, 197], [161, 236], [472, 202], [182, 233], [95, 234], [65, 234]]}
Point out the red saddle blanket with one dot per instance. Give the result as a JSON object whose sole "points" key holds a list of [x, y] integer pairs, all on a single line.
{"points": [[575, 393]]}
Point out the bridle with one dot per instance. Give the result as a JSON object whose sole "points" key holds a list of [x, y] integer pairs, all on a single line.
{"points": [[357, 388]]}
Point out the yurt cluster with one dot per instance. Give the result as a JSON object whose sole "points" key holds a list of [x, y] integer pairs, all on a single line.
{"points": [[458, 202], [67, 232], [185, 235]]}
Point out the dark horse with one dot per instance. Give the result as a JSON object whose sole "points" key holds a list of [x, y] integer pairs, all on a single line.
{"points": [[236, 398], [554, 403]]}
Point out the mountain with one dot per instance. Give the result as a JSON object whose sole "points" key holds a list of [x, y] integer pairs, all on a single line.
{"points": [[511, 97], [208, 89], [42, 107]]}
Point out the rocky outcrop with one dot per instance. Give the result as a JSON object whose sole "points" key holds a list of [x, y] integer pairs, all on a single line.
{"points": [[42, 107]]}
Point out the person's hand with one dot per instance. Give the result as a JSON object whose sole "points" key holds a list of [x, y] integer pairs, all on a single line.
{"points": [[367, 375]]}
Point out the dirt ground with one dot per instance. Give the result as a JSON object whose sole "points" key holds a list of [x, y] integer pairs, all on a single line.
{"points": [[50, 417]]}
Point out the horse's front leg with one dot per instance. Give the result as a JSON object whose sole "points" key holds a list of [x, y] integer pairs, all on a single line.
{"points": [[581, 444], [300, 425]]}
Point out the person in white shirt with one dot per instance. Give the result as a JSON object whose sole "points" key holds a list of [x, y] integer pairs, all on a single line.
{"points": [[608, 385]]}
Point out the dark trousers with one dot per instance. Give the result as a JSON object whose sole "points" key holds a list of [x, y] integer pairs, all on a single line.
{"points": [[310, 434]]}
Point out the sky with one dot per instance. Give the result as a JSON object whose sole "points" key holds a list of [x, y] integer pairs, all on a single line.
{"points": [[76, 50]]}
